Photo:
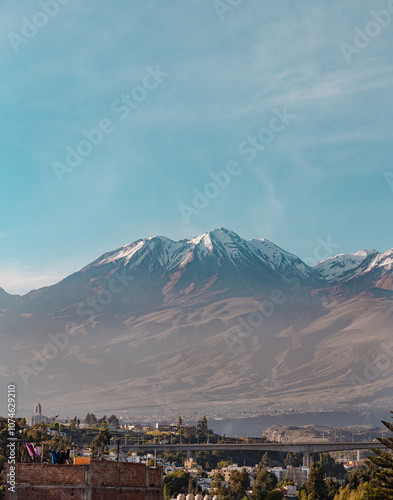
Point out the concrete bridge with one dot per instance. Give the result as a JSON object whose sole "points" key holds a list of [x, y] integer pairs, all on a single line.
{"points": [[306, 448]]}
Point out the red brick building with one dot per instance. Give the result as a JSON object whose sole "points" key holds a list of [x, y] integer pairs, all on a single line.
{"points": [[100, 480]]}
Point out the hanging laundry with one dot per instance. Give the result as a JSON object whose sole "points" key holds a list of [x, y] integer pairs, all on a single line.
{"points": [[68, 454], [62, 457], [30, 449], [37, 451], [56, 457]]}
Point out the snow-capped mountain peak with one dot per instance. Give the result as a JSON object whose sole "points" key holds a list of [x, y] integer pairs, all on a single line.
{"points": [[222, 247], [382, 260], [345, 266], [366, 252]]}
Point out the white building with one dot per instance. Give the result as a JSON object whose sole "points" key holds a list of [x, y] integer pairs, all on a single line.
{"points": [[37, 418], [136, 459], [298, 475]]}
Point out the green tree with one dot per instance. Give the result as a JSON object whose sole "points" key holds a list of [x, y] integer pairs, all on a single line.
{"points": [[275, 495], [265, 462], [315, 486], [293, 459], [381, 463], [193, 487], [216, 481], [100, 443], [90, 419], [202, 429], [366, 491], [330, 467], [264, 482], [175, 483], [189, 432], [58, 443], [224, 463], [361, 484], [217, 488], [73, 424], [113, 420], [332, 488], [357, 477], [239, 483], [102, 421]]}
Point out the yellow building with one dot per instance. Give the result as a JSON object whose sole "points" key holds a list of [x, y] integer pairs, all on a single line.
{"points": [[191, 464]]}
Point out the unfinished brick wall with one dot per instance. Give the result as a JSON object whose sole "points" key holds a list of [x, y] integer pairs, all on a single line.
{"points": [[97, 481], [50, 474]]}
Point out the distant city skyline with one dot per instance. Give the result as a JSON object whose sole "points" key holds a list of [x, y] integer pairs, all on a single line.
{"points": [[129, 121]]}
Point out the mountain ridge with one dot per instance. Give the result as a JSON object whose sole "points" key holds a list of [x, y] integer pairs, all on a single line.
{"points": [[214, 320], [345, 265]]}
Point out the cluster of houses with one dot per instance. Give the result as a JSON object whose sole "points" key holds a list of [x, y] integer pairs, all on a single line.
{"points": [[297, 475]]}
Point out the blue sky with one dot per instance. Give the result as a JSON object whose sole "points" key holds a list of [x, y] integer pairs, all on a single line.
{"points": [[321, 176]]}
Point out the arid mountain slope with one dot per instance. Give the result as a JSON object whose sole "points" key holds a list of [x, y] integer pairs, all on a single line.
{"points": [[213, 323]]}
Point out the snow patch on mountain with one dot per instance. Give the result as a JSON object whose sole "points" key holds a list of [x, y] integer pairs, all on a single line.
{"points": [[384, 260], [344, 265], [277, 258], [125, 253]]}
